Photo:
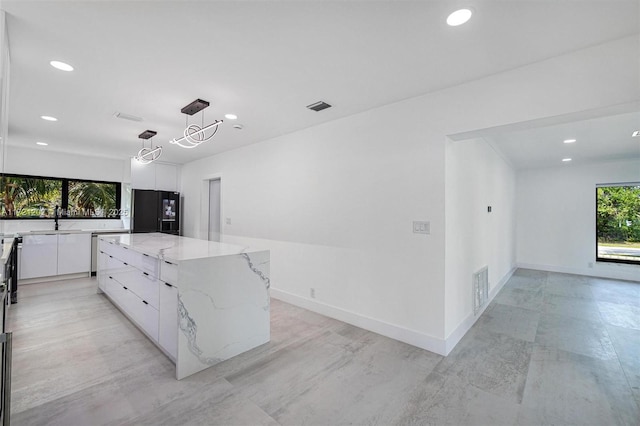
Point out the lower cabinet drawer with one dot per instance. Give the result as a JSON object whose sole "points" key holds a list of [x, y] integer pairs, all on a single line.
{"points": [[147, 318], [144, 262], [169, 272], [143, 285], [140, 311]]}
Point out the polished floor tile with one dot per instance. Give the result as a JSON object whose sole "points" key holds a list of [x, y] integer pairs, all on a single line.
{"points": [[577, 389], [574, 307], [580, 336], [621, 315], [550, 349], [511, 321]]}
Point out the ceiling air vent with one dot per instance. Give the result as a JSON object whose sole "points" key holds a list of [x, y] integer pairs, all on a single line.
{"points": [[319, 106], [127, 116]]}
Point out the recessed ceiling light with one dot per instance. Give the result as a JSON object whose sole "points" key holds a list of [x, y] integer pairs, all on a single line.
{"points": [[569, 140], [459, 17], [42, 143], [61, 66], [48, 118], [231, 116], [635, 134], [566, 160]]}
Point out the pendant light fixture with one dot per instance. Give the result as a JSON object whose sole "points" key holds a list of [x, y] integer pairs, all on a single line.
{"points": [[151, 154], [193, 134]]}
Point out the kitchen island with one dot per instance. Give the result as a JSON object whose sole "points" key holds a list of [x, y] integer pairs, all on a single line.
{"points": [[200, 302]]}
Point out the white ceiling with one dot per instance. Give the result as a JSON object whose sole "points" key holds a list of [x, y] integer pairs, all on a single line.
{"points": [[597, 139], [264, 61]]}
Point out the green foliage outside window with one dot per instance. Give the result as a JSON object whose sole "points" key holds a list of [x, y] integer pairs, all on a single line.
{"points": [[618, 217], [618, 223], [24, 197]]}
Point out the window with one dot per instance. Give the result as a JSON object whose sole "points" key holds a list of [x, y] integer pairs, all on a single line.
{"points": [[618, 223], [35, 197]]}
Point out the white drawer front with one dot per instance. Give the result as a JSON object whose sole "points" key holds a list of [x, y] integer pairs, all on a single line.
{"points": [[115, 291], [144, 286], [115, 250], [145, 263], [169, 272], [148, 319], [168, 310], [141, 312]]}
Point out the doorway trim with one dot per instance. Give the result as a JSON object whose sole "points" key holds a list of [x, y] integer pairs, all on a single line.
{"points": [[204, 205]]}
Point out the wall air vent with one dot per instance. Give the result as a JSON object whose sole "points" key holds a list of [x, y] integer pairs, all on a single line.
{"points": [[319, 106], [129, 117], [480, 289], [147, 134]]}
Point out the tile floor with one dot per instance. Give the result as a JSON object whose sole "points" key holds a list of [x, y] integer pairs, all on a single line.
{"points": [[550, 349]]}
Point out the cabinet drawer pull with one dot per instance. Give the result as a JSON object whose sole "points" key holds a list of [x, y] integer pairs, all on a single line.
{"points": [[126, 264], [146, 273], [144, 254], [168, 285], [111, 256], [166, 261], [145, 302], [125, 288], [110, 277]]}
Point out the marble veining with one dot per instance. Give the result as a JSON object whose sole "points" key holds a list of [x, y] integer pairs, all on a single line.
{"points": [[190, 329], [256, 271]]}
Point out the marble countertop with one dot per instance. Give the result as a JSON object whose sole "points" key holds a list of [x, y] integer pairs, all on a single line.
{"points": [[175, 248]]}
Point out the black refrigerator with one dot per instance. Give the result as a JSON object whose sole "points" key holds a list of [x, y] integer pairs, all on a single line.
{"points": [[156, 211]]}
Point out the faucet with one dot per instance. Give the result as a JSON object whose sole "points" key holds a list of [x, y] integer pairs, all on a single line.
{"points": [[55, 216]]}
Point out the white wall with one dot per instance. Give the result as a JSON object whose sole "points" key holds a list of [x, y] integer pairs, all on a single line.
{"points": [[42, 162], [477, 176], [335, 202], [556, 217]]}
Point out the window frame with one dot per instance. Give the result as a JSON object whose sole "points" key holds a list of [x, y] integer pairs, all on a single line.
{"points": [[606, 259], [64, 197]]}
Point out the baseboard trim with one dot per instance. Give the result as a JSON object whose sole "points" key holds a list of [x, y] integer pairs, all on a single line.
{"points": [[412, 337], [456, 335], [53, 278], [614, 271]]}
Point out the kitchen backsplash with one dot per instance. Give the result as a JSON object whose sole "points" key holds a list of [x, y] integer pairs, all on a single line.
{"points": [[13, 226]]}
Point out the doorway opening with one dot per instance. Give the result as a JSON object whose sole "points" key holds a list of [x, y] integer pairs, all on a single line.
{"points": [[214, 209]]}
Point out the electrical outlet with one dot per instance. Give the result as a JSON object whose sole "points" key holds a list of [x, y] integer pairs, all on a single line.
{"points": [[421, 227], [312, 293], [228, 221]]}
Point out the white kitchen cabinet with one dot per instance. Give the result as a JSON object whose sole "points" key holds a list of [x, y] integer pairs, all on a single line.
{"points": [[39, 256], [168, 332], [129, 278], [157, 176], [74, 253], [48, 255]]}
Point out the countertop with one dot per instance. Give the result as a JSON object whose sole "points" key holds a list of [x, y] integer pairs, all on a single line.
{"points": [[175, 248]]}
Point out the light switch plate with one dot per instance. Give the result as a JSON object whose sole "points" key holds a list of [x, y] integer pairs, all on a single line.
{"points": [[421, 227]]}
